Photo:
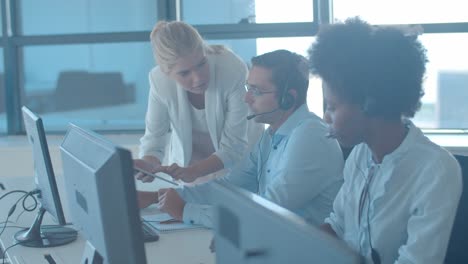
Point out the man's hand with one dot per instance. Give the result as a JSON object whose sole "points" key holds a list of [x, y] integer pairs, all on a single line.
{"points": [[171, 203], [149, 166], [145, 199], [188, 174]]}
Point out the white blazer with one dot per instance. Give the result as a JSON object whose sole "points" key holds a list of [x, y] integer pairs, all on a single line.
{"points": [[226, 111]]}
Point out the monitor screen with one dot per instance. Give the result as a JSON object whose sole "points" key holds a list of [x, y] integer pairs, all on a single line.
{"points": [[48, 196], [251, 229], [102, 197]]}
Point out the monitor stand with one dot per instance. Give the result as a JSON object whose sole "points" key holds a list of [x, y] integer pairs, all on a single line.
{"points": [[45, 236]]}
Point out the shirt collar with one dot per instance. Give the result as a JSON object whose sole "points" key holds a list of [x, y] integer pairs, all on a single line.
{"points": [[408, 141], [293, 120]]}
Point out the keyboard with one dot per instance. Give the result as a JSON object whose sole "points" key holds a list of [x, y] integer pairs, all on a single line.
{"points": [[149, 234]]}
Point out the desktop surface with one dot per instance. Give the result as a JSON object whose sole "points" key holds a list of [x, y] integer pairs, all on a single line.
{"points": [[189, 246]]}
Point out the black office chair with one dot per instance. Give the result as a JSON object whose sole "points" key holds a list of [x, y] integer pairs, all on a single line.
{"points": [[457, 251]]}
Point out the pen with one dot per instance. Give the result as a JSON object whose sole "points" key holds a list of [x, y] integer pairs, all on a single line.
{"points": [[155, 176]]}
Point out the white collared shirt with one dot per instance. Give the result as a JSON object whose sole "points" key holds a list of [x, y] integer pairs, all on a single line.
{"points": [[414, 195]]}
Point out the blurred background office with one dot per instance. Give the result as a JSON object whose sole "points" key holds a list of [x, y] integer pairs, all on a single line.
{"points": [[86, 61]]}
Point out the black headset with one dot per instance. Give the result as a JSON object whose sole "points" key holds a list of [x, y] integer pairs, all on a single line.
{"points": [[287, 100], [375, 256]]}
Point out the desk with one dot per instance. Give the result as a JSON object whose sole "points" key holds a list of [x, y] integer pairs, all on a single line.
{"points": [[189, 246]]}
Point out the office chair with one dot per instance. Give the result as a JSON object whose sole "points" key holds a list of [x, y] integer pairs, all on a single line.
{"points": [[457, 251]]}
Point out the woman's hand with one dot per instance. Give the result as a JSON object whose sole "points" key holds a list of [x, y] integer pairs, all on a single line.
{"points": [[149, 164], [188, 174]]}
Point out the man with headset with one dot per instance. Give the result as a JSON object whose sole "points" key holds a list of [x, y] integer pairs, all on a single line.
{"points": [[400, 191], [294, 163]]}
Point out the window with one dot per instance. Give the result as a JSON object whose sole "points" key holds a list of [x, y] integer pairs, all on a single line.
{"points": [[246, 11], [3, 127], [446, 82], [218, 12], [108, 41], [47, 17], [102, 86], [79, 61], [259, 12], [401, 11]]}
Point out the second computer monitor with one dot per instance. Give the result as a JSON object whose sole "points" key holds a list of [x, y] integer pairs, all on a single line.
{"points": [[102, 197], [251, 229], [39, 235]]}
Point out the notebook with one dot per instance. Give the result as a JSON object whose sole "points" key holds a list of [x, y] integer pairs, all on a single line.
{"points": [[163, 223]]}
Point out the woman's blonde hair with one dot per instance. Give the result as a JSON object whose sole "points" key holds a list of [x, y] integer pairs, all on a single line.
{"points": [[172, 40]]}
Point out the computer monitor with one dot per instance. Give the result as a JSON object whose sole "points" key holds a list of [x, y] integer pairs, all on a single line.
{"points": [[38, 235], [251, 229], [100, 185]]}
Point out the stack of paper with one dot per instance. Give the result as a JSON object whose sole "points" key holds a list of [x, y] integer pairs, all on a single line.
{"points": [[165, 223]]}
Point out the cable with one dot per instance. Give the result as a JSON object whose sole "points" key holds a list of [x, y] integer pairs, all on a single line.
{"points": [[30, 194], [6, 249], [5, 225], [22, 198], [16, 244], [27, 241], [374, 253], [19, 215], [11, 192], [10, 212]]}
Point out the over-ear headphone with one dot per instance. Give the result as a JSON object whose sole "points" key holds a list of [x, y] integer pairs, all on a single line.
{"points": [[291, 67], [286, 100]]}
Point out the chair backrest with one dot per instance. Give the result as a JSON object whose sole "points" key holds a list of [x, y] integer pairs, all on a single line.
{"points": [[457, 251]]}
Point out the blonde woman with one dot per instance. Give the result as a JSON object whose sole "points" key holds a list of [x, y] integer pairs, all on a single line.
{"points": [[195, 106]]}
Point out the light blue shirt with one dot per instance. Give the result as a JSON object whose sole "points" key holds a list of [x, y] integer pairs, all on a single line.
{"points": [[297, 167], [413, 194]]}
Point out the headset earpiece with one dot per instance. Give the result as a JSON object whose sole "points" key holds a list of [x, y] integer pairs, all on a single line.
{"points": [[287, 100]]}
